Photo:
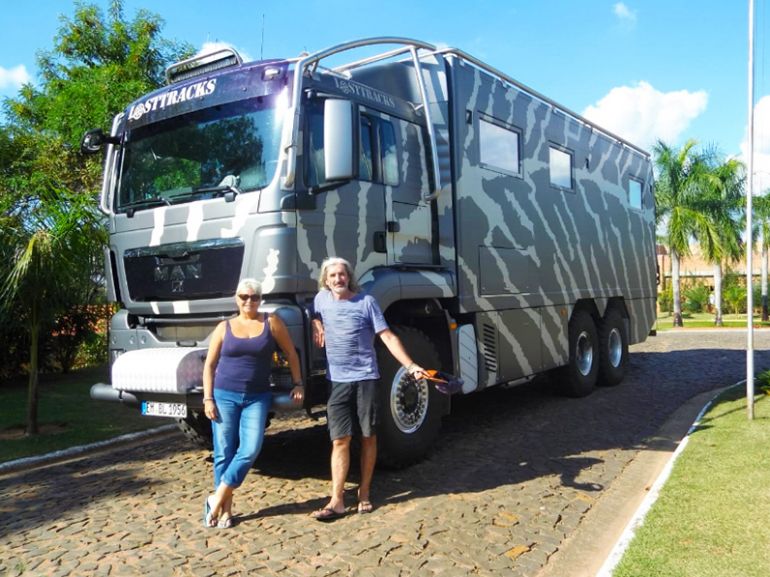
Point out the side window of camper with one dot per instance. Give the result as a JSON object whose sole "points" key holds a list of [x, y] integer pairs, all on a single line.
{"points": [[560, 164], [499, 147], [634, 193]]}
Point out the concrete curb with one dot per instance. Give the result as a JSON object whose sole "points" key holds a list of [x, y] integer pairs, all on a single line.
{"points": [[600, 540], [652, 496], [80, 450]]}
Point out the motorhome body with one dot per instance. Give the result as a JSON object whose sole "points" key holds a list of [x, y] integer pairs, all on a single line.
{"points": [[502, 234]]}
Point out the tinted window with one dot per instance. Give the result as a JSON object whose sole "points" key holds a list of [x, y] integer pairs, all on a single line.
{"points": [[389, 157], [365, 166]]}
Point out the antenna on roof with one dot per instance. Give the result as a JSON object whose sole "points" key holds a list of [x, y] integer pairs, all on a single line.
{"points": [[262, 42]]}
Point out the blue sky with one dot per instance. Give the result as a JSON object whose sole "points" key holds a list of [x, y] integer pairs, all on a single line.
{"points": [[645, 69]]}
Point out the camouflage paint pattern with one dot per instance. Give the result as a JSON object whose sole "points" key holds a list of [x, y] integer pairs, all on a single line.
{"points": [[507, 256]]}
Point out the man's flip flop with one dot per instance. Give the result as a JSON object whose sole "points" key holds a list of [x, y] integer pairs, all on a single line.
{"points": [[327, 514], [365, 507]]}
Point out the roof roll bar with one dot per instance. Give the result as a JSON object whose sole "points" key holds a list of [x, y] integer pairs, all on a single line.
{"points": [[310, 63]]}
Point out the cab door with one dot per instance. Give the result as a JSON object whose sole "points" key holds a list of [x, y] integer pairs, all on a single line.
{"points": [[392, 159]]}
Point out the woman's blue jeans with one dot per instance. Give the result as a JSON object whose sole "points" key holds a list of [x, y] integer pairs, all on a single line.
{"points": [[239, 430]]}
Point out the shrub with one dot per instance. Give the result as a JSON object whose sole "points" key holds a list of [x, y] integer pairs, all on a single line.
{"points": [[666, 299], [93, 351], [696, 298], [734, 298]]}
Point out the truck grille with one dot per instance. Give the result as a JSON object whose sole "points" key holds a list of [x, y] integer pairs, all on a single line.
{"points": [[184, 271]]}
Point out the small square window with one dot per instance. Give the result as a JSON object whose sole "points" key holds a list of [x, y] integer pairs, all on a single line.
{"points": [[499, 147], [560, 168], [634, 193]]}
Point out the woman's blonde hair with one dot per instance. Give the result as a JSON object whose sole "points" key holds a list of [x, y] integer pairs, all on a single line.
{"points": [[249, 283], [333, 261]]}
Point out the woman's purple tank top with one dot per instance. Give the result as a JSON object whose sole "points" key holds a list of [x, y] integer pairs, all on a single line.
{"points": [[244, 363]]}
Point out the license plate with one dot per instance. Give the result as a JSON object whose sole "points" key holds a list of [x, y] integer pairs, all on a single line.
{"points": [[155, 409]]}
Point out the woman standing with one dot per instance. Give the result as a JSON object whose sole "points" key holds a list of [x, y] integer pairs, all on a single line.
{"points": [[236, 393]]}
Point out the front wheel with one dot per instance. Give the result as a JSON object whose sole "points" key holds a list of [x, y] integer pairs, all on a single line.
{"points": [[409, 411]]}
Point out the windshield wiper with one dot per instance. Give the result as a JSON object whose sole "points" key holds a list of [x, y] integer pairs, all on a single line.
{"points": [[216, 190], [132, 207]]}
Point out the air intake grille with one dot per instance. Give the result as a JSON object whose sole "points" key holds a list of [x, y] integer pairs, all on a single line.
{"points": [[489, 343]]}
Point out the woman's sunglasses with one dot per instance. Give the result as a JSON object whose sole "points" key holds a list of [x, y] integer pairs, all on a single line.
{"points": [[252, 298]]}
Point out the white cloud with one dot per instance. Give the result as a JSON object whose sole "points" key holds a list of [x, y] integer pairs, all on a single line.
{"points": [[641, 114], [761, 145], [209, 47], [13, 78], [624, 13]]}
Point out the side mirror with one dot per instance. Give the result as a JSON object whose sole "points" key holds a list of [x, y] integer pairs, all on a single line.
{"points": [[93, 140], [338, 139]]}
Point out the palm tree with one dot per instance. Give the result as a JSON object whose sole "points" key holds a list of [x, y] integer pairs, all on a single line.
{"points": [[53, 248], [719, 235], [761, 205], [681, 176]]}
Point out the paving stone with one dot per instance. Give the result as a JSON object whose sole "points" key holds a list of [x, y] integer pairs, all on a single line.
{"points": [[517, 467]]}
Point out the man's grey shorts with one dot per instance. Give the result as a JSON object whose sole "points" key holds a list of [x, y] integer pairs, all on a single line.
{"points": [[352, 407]]}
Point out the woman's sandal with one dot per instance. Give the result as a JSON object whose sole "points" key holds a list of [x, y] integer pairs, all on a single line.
{"points": [[225, 523], [365, 507], [209, 520]]}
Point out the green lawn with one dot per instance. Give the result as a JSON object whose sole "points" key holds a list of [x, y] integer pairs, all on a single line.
{"points": [[665, 321], [67, 415], [712, 518]]}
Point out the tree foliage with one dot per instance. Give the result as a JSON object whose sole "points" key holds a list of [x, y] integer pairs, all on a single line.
{"points": [[699, 198], [96, 67], [52, 235]]}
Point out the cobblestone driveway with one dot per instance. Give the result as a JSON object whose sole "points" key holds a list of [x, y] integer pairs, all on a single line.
{"points": [[514, 473]]}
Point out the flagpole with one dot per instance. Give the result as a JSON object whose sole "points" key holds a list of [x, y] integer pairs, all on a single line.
{"points": [[749, 226]]}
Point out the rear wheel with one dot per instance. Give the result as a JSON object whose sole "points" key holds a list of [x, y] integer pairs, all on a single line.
{"points": [[409, 411], [197, 428], [580, 375], [613, 348]]}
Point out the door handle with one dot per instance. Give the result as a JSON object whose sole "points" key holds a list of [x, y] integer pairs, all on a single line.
{"points": [[393, 226], [380, 242]]}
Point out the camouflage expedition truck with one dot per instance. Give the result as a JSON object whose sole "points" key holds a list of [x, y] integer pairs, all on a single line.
{"points": [[502, 234]]}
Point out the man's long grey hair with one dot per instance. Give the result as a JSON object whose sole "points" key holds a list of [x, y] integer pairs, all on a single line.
{"points": [[332, 261]]}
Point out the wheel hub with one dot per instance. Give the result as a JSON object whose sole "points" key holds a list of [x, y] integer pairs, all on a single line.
{"points": [[408, 401], [584, 353], [615, 346]]}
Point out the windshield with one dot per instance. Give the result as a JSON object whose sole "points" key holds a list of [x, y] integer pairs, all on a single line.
{"points": [[231, 148]]}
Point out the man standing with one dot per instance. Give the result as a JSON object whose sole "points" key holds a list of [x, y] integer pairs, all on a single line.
{"points": [[346, 323]]}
